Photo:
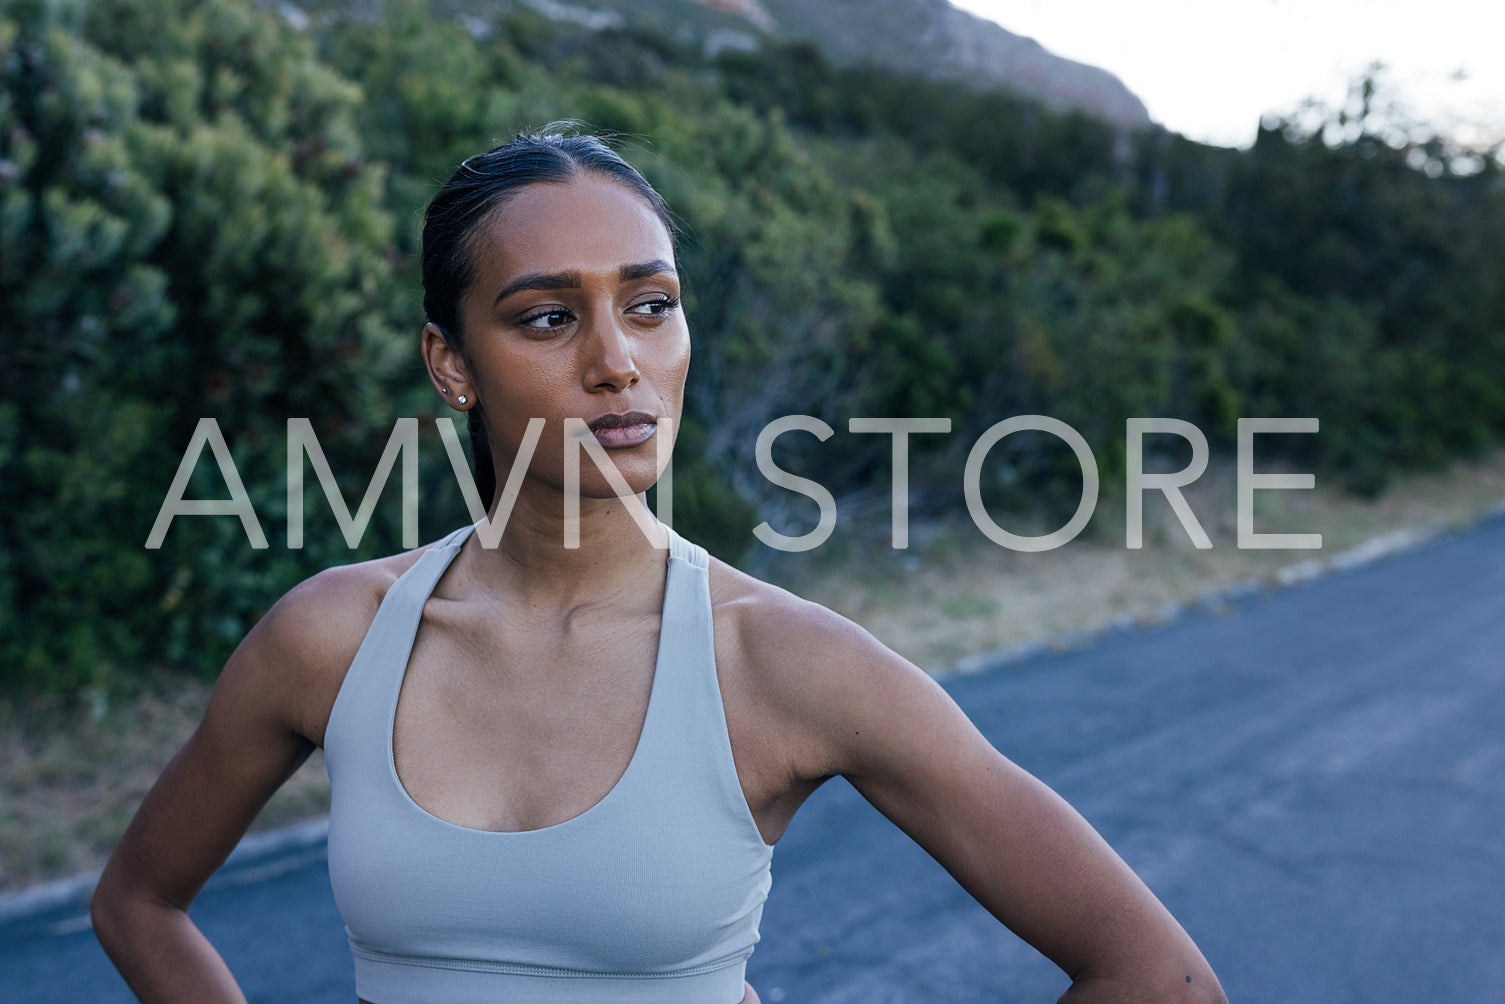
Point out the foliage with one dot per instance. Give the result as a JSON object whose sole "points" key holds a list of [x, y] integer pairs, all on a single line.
{"points": [[190, 230], [206, 210]]}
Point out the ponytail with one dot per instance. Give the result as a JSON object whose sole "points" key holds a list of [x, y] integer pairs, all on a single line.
{"points": [[480, 451]]}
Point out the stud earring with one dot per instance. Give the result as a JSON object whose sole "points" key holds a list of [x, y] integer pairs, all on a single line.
{"points": [[445, 391], [461, 399]]}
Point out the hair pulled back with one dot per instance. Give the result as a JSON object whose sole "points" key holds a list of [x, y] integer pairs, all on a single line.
{"points": [[480, 187]]}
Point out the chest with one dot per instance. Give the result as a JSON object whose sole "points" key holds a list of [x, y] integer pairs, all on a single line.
{"points": [[509, 724]]}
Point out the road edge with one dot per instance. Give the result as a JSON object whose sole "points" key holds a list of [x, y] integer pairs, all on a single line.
{"points": [[257, 856], [1375, 549]]}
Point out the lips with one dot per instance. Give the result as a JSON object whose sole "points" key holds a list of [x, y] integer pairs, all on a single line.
{"points": [[626, 429]]}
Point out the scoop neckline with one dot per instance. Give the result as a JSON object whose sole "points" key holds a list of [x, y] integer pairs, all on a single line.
{"points": [[453, 549]]}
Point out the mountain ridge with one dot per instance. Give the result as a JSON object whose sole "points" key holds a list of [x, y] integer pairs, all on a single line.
{"points": [[925, 38], [932, 38]]}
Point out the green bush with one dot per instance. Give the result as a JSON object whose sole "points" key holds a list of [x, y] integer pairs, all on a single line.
{"points": [[190, 231]]}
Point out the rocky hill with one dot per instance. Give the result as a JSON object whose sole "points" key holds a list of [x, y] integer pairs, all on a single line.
{"points": [[934, 39], [928, 38]]}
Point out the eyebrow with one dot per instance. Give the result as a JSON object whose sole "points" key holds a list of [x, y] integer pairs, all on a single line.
{"points": [[572, 280], [643, 270]]}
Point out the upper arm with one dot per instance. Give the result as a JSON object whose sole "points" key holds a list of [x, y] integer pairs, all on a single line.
{"points": [[866, 713], [264, 717]]}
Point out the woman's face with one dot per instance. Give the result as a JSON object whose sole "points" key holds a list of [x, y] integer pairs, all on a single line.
{"points": [[573, 312]]}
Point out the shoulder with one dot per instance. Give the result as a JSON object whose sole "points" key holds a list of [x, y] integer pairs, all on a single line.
{"points": [[824, 683], [299, 651], [328, 613], [781, 634]]}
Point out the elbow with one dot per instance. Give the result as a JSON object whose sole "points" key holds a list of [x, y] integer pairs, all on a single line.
{"points": [[120, 909], [1193, 984], [1209, 992], [1187, 984], [1200, 982], [106, 906], [1206, 991]]}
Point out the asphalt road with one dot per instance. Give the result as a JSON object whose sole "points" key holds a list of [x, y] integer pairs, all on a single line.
{"points": [[1313, 780]]}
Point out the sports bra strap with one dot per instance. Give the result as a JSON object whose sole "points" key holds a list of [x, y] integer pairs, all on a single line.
{"points": [[684, 550]]}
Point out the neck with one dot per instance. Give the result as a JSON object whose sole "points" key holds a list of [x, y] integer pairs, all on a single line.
{"points": [[615, 558]]}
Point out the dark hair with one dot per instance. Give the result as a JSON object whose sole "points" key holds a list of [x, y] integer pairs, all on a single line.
{"points": [[480, 186]]}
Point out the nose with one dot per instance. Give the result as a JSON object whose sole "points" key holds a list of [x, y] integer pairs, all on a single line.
{"points": [[610, 365]]}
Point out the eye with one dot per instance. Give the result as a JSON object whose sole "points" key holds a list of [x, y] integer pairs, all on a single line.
{"points": [[654, 308], [544, 320]]}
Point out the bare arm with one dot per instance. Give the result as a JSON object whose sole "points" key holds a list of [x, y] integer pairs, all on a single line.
{"points": [[1017, 847], [261, 724]]}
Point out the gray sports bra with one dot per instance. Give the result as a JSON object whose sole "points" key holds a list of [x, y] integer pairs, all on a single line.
{"points": [[652, 894]]}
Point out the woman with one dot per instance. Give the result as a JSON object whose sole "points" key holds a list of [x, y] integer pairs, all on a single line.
{"points": [[559, 772]]}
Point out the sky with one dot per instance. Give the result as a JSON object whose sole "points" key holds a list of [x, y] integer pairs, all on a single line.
{"points": [[1210, 68]]}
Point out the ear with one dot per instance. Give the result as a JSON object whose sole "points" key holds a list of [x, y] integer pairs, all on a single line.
{"points": [[447, 369]]}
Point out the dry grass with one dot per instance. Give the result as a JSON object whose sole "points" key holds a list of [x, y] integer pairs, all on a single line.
{"points": [[70, 780], [954, 593]]}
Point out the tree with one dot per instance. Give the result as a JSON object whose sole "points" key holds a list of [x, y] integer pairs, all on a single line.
{"points": [[187, 229]]}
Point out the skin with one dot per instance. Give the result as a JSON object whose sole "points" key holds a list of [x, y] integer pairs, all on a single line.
{"points": [[520, 643]]}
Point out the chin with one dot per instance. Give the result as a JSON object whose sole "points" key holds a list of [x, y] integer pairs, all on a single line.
{"points": [[639, 477]]}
